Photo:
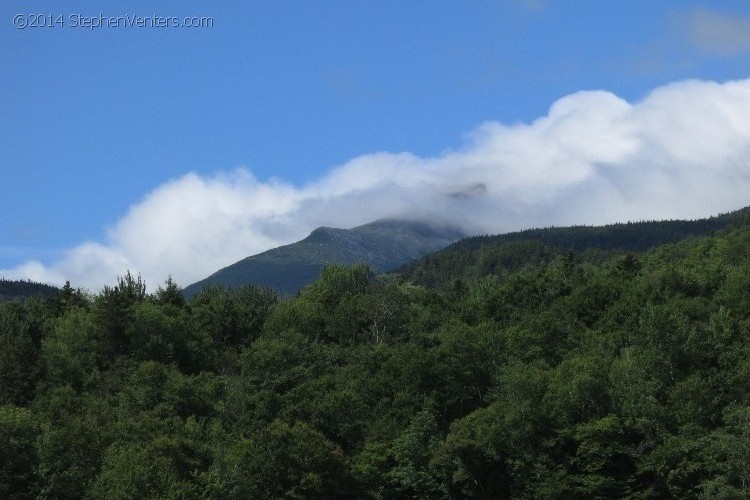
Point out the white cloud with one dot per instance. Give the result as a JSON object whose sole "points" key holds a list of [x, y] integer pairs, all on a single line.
{"points": [[718, 33], [681, 152]]}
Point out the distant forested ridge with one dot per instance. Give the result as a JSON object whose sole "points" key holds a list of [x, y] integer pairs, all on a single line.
{"points": [[573, 373], [22, 290], [481, 255]]}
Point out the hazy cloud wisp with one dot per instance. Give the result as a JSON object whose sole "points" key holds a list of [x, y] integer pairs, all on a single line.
{"points": [[681, 152], [718, 33]]}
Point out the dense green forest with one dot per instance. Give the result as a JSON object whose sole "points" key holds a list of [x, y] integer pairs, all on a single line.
{"points": [[556, 374]]}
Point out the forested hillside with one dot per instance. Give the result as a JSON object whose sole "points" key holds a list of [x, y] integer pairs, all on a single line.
{"points": [[614, 375], [478, 256], [21, 290]]}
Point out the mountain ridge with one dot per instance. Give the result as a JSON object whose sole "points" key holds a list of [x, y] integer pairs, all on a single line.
{"points": [[20, 290], [384, 244], [477, 256], [413, 248]]}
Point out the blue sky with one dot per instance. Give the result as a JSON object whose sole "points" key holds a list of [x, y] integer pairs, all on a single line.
{"points": [[94, 123]]}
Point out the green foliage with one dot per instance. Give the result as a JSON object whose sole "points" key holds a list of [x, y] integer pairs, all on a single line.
{"points": [[71, 351], [74, 431], [232, 317], [18, 454], [165, 466], [170, 294], [18, 356], [286, 461], [114, 308], [402, 468], [603, 464]]}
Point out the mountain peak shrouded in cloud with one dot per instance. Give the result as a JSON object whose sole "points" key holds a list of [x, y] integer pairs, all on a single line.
{"points": [[683, 151]]}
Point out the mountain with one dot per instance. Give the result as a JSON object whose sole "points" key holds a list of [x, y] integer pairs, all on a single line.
{"points": [[478, 256], [21, 290], [383, 244]]}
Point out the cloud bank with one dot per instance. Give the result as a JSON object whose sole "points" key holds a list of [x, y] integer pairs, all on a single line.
{"points": [[683, 151]]}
